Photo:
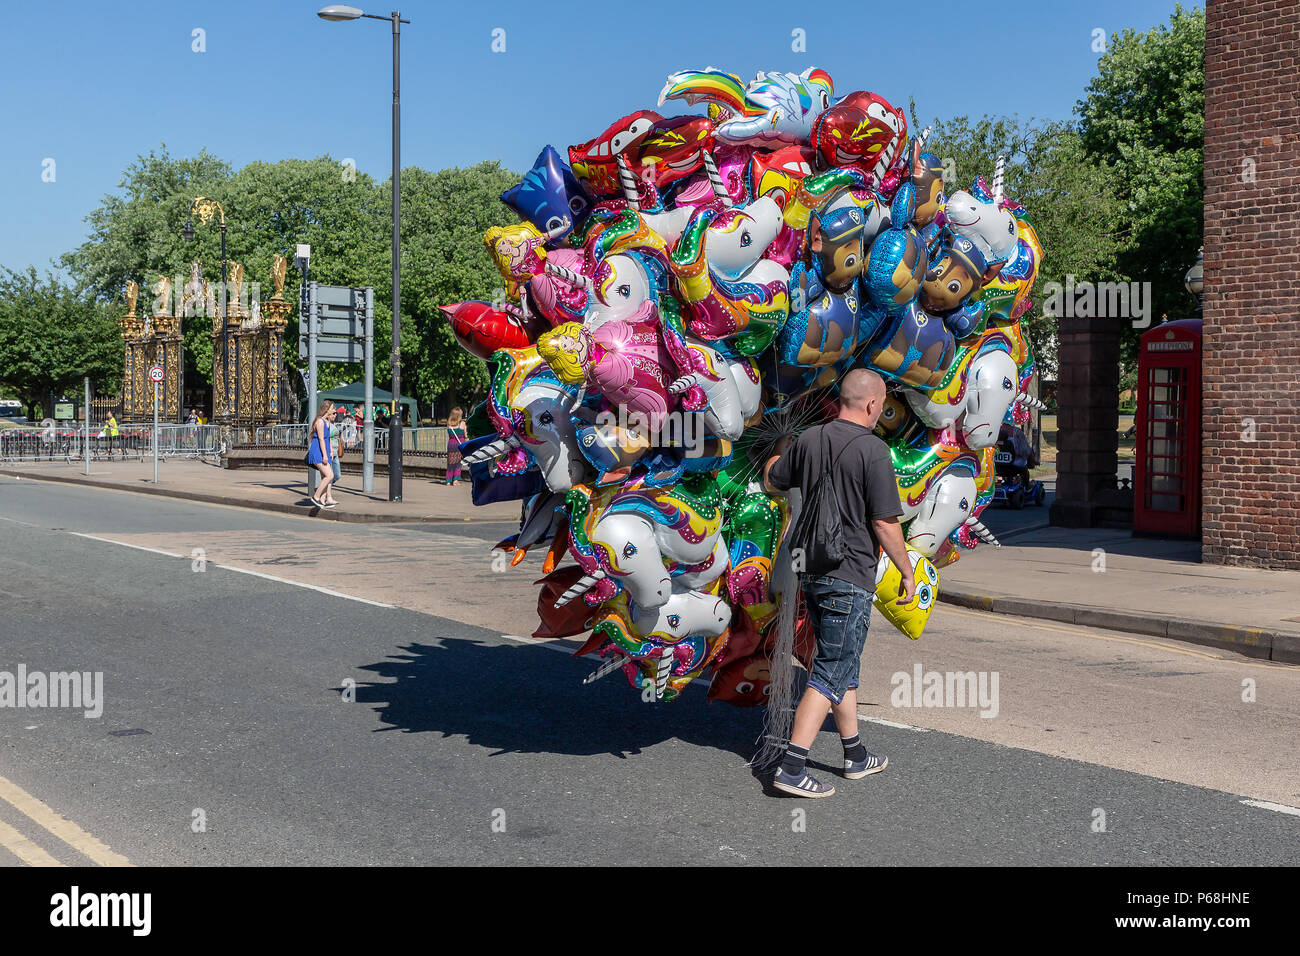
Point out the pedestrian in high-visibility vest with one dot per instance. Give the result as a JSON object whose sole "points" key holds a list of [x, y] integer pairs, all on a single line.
{"points": [[110, 429]]}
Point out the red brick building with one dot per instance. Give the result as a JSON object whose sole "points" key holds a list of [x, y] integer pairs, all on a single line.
{"points": [[1251, 365]]}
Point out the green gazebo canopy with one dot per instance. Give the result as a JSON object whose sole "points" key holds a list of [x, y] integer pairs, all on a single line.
{"points": [[355, 394]]}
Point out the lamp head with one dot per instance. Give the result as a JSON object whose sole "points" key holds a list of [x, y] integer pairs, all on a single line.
{"points": [[1195, 278], [338, 11]]}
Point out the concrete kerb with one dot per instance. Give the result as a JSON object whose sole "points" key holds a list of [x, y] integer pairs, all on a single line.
{"points": [[301, 511], [1261, 643]]}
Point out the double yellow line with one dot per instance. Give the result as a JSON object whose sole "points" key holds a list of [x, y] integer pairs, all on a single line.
{"points": [[54, 824]]}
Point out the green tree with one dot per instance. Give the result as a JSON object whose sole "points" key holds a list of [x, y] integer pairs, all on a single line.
{"points": [[51, 335], [346, 218], [444, 216], [269, 208], [1143, 116], [1070, 199]]}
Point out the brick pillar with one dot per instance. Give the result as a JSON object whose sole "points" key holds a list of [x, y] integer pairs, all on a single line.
{"points": [[1250, 458], [1087, 423]]}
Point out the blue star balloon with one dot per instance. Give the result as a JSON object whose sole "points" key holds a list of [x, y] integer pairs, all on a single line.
{"points": [[550, 196]]}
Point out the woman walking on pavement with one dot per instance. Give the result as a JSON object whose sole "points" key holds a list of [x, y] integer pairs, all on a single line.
{"points": [[457, 433], [318, 454], [337, 441]]}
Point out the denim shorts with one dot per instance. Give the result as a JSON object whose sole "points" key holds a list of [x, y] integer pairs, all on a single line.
{"points": [[840, 613]]}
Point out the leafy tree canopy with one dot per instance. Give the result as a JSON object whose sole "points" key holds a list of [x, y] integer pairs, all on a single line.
{"points": [[346, 218], [1069, 198], [1143, 116], [51, 335]]}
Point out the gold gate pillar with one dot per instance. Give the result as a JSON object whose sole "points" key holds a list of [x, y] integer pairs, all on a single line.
{"points": [[169, 352], [152, 340], [246, 374], [133, 341], [275, 317]]}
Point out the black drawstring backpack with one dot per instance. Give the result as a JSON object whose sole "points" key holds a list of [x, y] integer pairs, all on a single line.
{"points": [[819, 533]]}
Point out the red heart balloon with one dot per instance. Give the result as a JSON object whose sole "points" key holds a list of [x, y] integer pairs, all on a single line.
{"points": [[481, 330]]}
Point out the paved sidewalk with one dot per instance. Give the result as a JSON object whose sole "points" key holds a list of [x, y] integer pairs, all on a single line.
{"points": [[1102, 577], [1094, 577], [423, 499]]}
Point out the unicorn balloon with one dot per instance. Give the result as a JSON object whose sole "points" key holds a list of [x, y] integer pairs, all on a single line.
{"points": [[985, 221], [773, 109], [991, 385], [985, 380], [644, 541], [530, 409], [731, 387], [941, 488], [668, 646], [729, 291]]}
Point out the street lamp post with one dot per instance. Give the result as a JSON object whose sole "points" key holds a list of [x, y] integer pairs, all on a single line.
{"points": [[1194, 281], [337, 12], [206, 208]]}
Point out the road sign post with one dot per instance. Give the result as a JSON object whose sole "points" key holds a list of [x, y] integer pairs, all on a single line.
{"points": [[86, 412], [368, 423], [339, 324], [156, 375]]}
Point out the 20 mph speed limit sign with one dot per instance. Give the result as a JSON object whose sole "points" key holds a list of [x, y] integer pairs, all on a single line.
{"points": [[156, 373]]}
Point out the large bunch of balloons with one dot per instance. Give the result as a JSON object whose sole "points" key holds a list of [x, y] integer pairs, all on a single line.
{"points": [[683, 290]]}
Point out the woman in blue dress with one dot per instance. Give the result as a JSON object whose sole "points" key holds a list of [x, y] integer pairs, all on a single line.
{"points": [[318, 454]]}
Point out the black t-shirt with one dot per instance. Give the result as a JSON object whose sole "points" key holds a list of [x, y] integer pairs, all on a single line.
{"points": [[863, 474]]}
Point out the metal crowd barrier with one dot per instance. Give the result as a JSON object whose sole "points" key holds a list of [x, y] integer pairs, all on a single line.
{"points": [[40, 443], [187, 441], [416, 441], [270, 436]]}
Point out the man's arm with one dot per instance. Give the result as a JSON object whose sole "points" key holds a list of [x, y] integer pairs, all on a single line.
{"points": [[890, 535], [779, 451], [882, 490]]}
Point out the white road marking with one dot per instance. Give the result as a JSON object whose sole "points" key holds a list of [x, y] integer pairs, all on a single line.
{"points": [[301, 584], [256, 574], [26, 524], [1279, 807], [892, 723], [137, 547], [563, 649]]}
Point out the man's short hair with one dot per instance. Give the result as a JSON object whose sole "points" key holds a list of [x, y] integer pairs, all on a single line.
{"points": [[859, 386]]}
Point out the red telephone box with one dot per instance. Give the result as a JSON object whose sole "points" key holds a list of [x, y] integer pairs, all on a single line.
{"points": [[1167, 479]]}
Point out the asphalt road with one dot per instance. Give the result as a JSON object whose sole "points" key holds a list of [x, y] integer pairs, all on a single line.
{"points": [[224, 702]]}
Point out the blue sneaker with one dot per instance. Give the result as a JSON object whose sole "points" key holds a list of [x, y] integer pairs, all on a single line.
{"points": [[856, 769], [805, 786]]}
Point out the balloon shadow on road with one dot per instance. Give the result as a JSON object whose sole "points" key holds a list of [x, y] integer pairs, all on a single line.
{"points": [[522, 698]]}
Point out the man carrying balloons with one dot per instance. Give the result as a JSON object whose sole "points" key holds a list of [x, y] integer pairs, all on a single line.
{"points": [[850, 512]]}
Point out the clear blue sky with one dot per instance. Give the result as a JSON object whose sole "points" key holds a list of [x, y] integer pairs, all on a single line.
{"points": [[93, 84]]}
